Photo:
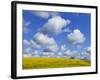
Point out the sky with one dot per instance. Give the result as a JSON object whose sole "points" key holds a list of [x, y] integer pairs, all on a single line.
{"points": [[56, 34]]}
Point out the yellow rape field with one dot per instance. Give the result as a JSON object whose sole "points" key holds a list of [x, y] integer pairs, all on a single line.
{"points": [[40, 63]]}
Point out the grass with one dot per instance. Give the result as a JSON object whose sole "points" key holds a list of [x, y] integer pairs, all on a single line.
{"points": [[38, 63]]}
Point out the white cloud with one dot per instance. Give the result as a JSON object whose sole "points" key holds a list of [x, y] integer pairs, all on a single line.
{"points": [[31, 44], [34, 44], [44, 14], [26, 42], [48, 53], [28, 50], [26, 55], [63, 47], [43, 54], [88, 50], [79, 46], [44, 40], [72, 54], [53, 14], [53, 48], [68, 52], [26, 24], [85, 56], [67, 30], [55, 25], [41, 40], [26, 47], [76, 37], [35, 52]]}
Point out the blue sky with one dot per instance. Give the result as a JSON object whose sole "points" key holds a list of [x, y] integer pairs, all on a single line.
{"points": [[61, 28]]}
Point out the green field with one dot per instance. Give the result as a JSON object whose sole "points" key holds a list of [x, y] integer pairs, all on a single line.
{"points": [[38, 63]]}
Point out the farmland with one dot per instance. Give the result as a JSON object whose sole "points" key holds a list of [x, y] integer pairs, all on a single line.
{"points": [[40, 63]]}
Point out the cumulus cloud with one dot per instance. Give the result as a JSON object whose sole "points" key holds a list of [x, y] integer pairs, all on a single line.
{"points": [[43, 54], [77, 54], [44, 14], [29, 46], [72, 54], [53, 14], [55, 25], [44, 44], [30, 43], [41, 40], [34, 44], [25, 26], [45, 40], [88, 50], [85, 56], [76, 37], [68, 52], [26, 42], [36, 53], [52, 48], [66, 30], [63, 47], [28, 50]]}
